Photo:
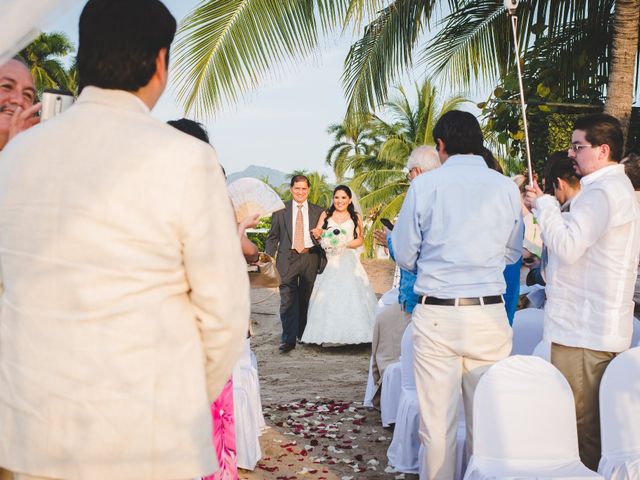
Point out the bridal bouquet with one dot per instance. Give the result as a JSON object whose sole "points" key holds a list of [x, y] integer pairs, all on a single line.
{"points": [[334, 240]]}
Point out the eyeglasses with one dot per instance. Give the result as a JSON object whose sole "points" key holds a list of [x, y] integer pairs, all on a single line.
{"points": [[575, 148], [408, 175]]}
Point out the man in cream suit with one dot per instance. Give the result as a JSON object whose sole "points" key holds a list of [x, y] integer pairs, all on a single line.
{"points": [[125, 295]]}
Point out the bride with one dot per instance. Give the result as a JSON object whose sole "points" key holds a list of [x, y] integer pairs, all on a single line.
{"points": [[342, 305]]}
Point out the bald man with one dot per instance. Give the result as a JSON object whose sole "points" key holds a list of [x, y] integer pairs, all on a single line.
{"points": [[17, 97]]}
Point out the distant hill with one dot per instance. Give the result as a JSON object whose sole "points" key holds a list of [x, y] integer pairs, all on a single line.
{"points": [[276, 177]]}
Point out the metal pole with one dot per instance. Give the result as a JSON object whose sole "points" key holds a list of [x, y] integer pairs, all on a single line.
{"points": [[523, 106]]}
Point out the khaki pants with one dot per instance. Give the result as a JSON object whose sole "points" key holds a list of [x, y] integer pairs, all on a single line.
{"points": [[583, 369], [453, 346]]}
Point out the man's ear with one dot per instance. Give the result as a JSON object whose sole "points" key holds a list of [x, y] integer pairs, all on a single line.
{"points": [[161, 66]]}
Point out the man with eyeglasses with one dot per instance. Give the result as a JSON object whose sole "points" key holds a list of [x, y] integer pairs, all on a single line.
{"points": [[593, 260]]}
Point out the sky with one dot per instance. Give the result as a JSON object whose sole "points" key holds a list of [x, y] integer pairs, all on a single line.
{"points": [[282, 124]]}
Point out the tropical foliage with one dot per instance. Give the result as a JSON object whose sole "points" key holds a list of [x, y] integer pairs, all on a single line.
{"points": [[227, 46], [44, 57]]}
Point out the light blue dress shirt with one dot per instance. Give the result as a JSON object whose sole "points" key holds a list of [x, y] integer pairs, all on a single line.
{"points": [[458, 227], [406, 296]]}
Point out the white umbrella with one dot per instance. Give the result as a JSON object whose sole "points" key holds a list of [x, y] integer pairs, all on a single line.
{"points": [[22, 20]]}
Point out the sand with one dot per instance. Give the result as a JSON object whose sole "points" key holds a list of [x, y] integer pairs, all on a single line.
{"points": [[312, 402]]}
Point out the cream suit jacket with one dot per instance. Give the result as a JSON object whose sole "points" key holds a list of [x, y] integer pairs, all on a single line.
{"points": [[125, 295]]}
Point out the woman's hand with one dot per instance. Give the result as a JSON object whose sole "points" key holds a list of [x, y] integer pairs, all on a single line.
{"points": [[316, 232], [248, 222]]}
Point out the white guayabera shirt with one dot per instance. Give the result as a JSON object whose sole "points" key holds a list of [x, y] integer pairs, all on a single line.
{"points": [[593, 262]]}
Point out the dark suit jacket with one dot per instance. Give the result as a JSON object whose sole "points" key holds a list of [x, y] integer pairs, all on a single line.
{"points": [[280, 237]]}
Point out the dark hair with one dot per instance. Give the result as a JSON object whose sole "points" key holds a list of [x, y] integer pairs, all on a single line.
{"points": [[190, 127], [546, 170], [490, 160], [603, 129], [300, 178], [562, 168], [120, 41], [632, 169], [460, 132], [351, 209]]}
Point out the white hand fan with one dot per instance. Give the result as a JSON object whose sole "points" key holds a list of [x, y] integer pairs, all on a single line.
{"points": [[22, 20], [251, 196]]}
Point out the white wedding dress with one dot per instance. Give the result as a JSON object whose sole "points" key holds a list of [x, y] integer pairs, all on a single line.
{"points": [[342, 306]]}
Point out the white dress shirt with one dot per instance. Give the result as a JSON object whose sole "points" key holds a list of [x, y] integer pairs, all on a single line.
{"points": [[458, 225], [308, 243], [593, 261]]}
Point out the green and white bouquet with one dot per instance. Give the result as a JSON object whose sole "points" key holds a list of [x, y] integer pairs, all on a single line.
{"points": [[334, 240]]}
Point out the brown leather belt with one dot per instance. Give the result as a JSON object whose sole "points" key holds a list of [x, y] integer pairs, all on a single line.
{"points": [[461, 302]]}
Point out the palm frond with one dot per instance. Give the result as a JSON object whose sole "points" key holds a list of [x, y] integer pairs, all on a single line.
{"points": [[226, 47], [384, 50]]}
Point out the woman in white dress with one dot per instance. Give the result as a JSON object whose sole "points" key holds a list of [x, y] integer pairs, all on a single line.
{"points": [[342, 305]]}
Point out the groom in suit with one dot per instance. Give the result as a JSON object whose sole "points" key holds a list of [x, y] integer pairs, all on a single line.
{"points": [[298, 259]]}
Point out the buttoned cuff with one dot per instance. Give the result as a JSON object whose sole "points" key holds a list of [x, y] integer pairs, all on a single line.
{"points": [[544, 202]]}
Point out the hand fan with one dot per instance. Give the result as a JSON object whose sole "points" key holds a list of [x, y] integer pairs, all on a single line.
{"points": [[251, 196]]}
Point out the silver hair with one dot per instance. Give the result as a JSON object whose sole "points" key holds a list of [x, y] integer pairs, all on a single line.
{"points": [[424, 157]]}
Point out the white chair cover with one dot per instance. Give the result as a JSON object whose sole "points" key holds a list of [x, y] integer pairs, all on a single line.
{"points": [[527, 330], [370, 391], [405, 454], [390, 297], [620, 417], [543, 350], [524, 424], [247, 408], [390, 393], [403, 451]]}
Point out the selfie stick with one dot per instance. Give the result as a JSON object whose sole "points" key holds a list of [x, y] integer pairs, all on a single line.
{"points": [[511, 6]]}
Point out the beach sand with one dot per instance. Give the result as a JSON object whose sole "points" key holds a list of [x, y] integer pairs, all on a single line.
{"points": [[312, 402]]}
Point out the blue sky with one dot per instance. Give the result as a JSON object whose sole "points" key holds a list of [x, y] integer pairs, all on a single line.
{"points": [[282, 124]]}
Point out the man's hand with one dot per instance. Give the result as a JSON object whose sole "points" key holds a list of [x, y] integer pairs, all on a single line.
{"points": [[23, 119], [533, 192], [381, 237]]}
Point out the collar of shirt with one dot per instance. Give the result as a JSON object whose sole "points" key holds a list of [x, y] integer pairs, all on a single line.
{"points": [[303, 204], [598, 174], [464, 160], [114, 98]]}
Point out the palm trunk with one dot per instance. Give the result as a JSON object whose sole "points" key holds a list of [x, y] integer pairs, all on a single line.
{"points": [[623, 61]]}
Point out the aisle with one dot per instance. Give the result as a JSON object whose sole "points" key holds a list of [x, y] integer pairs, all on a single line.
{"points": [[312, 402]]}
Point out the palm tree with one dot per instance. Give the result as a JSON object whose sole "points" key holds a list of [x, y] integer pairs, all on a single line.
{"points": [[357, 141], [44, 57], [624, 52], [226, 47]]}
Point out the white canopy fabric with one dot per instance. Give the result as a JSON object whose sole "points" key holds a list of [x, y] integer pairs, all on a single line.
{"points": [[620, 417], [23, 20], [525, 423]]}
